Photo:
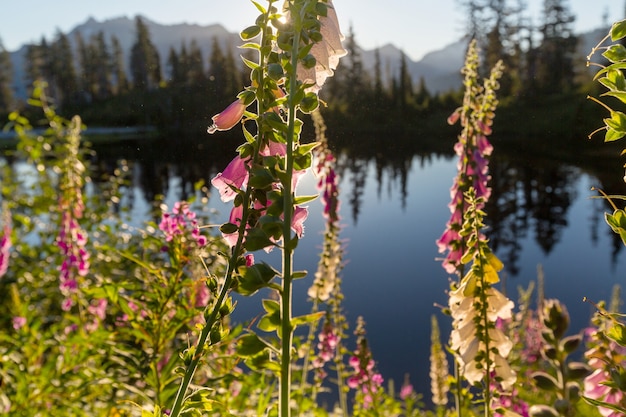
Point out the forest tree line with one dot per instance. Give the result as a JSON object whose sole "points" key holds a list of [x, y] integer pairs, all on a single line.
{"points": [[94, 80]]}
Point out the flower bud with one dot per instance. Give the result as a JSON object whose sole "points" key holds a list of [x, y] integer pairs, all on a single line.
{"points": [[229, 117]]}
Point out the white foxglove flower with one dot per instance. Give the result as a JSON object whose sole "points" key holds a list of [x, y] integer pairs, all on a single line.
{"points": [[465, 341]]}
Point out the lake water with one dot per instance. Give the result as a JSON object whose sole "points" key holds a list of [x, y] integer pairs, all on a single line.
{"points": [[394, 209]]}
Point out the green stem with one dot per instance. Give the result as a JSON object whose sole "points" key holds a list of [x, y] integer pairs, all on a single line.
{"points": [[214, 316], [286, 296], [193, 364]]}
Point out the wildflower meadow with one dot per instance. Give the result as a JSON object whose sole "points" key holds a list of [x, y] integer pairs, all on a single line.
{"points": [[101, 318]]}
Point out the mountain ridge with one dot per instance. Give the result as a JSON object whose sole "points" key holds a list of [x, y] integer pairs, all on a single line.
{"points": [[440, 68]]}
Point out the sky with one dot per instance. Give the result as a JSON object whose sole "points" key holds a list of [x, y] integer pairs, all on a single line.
{"points": [[416, 26]]}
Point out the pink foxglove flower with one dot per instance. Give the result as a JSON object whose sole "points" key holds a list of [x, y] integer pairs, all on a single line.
{"points": [[228, 118], [235, 175], [72, 241], [5, 245], [598, 385]]}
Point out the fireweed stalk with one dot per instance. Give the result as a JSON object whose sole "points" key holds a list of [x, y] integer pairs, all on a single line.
{"points": [[297, 49]]}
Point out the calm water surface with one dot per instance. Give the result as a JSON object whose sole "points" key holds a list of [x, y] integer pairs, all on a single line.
{"points": [[392, 213], [393, 208]]}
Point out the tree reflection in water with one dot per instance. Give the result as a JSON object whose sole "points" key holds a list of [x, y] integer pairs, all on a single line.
{"points": [[531, 194]]}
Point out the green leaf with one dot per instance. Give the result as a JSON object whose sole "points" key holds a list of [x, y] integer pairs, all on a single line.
{"points": [[570, 343], [617, 222], [541, 410], [250, 345], [613, 135], [309, 103], [615, 53], [261, 178], [307, 318], [250, 32], [302, 162], [270, 306], [617, 333], [303, 199], [618, 30], [614, 80], [259, 7], [275, 71], [256, 239], [254, 278], [250, 64], [616, 66], [577, 370], [299, 274], [228, 228], [545, 381], [620, 95], [270, 321], [605, 405]]}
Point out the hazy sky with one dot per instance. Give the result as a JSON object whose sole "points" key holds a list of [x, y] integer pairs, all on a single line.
{"points": [[417, 26]]}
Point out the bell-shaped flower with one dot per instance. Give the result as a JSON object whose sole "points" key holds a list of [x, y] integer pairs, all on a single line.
{"points": [[467, 340], [229, 117], [326, 52], [235, 175]]}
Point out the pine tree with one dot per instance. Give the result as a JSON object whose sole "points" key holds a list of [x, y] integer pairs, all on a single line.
{"points": [[217, 75], [6, 77], [145, 67], [405, 86], [62, 72], [555, 69], [120, 81], [103, 66]]}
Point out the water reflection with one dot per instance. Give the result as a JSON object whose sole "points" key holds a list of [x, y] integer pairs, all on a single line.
{"points": [[394, 207], [531, 194]]}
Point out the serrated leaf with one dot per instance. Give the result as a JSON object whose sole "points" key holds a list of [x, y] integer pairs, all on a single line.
{"points": [[618, 30]]}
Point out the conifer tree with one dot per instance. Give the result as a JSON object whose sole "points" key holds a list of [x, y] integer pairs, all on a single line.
{"points": [[6, 78], [120, 80], [145, 67], [555, 72], [63, 78], [217, 75], [103, 66]]}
